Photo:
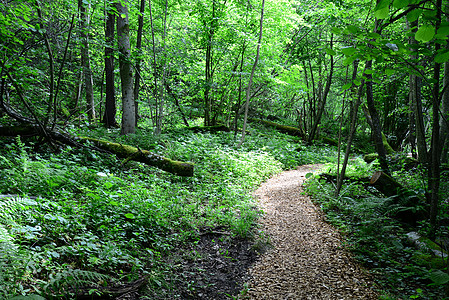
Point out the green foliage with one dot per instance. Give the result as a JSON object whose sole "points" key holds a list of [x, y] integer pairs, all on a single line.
{"points": [[377, 240], [81, 219]]}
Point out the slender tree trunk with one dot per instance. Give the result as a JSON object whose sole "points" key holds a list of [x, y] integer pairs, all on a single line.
{"points": [[434, 180], [239, 97], [444, 123], [444, 130], [343, 107], [415, 99], [376, 125], [126, 76], [354, 109], [208, 70], [85, 60], [110, 106], [160, 114], [138, 60], [155, 93], [323, 97], [252, 74]]}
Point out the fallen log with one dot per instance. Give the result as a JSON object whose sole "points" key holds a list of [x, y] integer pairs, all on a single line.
{"points": [[411, 206], [144, 156], [123, 151], [212, 129], [290, 130]]}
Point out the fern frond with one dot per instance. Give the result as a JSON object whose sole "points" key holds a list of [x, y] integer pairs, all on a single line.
{"points": [[75, 279], [10, 205], [4, 235]]}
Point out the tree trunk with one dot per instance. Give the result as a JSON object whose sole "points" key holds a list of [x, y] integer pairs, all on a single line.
{"points": [[85, 60], [293, 131], [138, 68], [444, 123], [126, 76], [323, 97], [434, 180], [208, 69], [252, 75], [110, 107], [415, 99], [354, 109], [376, 126]]}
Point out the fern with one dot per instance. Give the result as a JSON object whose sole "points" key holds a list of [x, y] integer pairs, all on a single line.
{"points": [[74, 280]]}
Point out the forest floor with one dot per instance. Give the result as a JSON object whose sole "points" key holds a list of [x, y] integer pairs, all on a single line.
{"points": [[305, 258]]}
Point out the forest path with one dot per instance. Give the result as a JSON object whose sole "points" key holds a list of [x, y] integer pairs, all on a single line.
{"points": [[307, 260]]}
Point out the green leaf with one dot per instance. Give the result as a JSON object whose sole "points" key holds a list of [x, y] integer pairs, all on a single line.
{"points": [[442, 57], [336, 30], [414, 15], [439, 277], [382, 4], [330, 51], [352, 29], [29, 297], [369, 71], [443, 31], [346, 86], [400, 3], [130, 216], [373, 35], [382, 13], [123, 16], [308, 175], [357, 82], [348, 51], [349, 60], [389, 72], [425, 33]]}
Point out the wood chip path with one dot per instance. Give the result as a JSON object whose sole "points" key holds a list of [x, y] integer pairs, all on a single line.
{"points": [[307, 260]]}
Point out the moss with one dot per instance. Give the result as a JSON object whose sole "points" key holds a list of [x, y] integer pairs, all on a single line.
{"points": [[428, 260], [368, 158], [387, 146], [329, 141], [132, 153]]}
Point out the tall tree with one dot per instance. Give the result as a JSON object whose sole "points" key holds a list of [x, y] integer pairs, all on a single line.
{"points": [[138, 60], [83, 7], [126, 75], [376, 124], [248, 89], [110, 108]]}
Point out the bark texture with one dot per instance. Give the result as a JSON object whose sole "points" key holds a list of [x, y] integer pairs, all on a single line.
{"points": [[110, 109], [126, 76]]}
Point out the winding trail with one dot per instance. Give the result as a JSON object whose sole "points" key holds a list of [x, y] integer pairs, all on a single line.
{"points": [[307, 260]]}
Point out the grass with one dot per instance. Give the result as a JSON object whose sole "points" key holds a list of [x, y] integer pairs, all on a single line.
{"points": [[82, 219]]}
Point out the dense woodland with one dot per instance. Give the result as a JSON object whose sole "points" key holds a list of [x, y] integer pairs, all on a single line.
{"points": [[132, 129]]}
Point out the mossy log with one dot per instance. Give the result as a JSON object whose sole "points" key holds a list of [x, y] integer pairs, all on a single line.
{"points": [[370, 157], [290, 130], [144, 156], [387, 146], [123, 151], [329, 141], [212, 129]]}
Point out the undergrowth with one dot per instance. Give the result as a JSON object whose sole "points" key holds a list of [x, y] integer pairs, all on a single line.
{"points": [[79, 222], [364, 217]]}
